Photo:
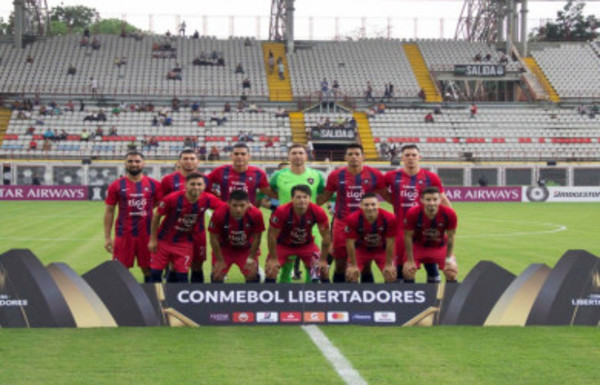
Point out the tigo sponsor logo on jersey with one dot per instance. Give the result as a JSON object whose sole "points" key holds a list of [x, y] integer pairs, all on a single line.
{"points": [[219, 317], [361, 317], [243, 317], [385, 316], [267, 317], [291, 316], [314, 316], [337, 316]]}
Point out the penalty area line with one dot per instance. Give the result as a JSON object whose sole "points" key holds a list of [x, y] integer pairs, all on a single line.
{"points": [[341, 365]]}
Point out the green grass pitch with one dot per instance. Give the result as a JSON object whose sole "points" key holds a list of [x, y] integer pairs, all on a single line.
{"points": [[511, 235]]}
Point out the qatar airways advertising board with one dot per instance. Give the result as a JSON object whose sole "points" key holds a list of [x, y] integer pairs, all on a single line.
{"points": [[484, 194], [43, 193]]}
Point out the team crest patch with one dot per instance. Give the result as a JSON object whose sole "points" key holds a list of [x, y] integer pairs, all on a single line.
{"points": [[366, 181], [310, 180]]}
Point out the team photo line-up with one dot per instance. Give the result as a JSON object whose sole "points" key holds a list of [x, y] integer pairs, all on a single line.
{"points": [[162, 224]]}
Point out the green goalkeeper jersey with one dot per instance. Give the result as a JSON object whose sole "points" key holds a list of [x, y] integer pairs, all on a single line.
{"points": [[283, 180]]}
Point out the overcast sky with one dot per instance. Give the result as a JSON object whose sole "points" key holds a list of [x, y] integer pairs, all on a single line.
{"points": [[395, 18]]}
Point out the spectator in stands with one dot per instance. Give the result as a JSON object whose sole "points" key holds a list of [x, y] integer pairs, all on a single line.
{"points": [[202, 152], [56, 135], [99, 132], [383, 150], [381, 108], [281, 70], [71, 70], [195, 107], [503, 58], [43, 111], [473, 110], [253, 108], [227, 107], [310, 150], [246, 84], [69, 106], [81, 105], [154, 121], [239, 69], [63, 135], [172, 75], [281, 113], [29, 59], [189, 142], [30, 130], [93, 87], [49, 134], [175, 104], [216, 118], [196, 35], [95, 44], [581, 109], [352, 123], [269, 142], [113, 131], [153, 141], [195, 117], [84, 42], [429, 118], [388, 92], [488, 57], [214, 153], [167, 121], [369, 92], [437, 110], [241, 104], [47, 145], [271, 62], [325, 86], [182, 27], [101, 116], [247, 42], [177, 68], [477, 57], [85, 135], [228, 148], [335, 87], [86, 32], [132, 146], [422, 95], [116, 111], [32, 145]]}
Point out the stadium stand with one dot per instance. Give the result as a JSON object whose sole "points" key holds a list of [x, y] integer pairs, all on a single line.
{"points": [[145, 71], [353, 64], [572, 69], [519, 134]]}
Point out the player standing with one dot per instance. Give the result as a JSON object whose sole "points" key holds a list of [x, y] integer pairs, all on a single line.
{"points": [[235, 232], [136, 195], [187, 164], [239, 176], [290, 233], [429, 236], [350, 183], [284, 180], [173, 242], [405, 186], [371, 234]]}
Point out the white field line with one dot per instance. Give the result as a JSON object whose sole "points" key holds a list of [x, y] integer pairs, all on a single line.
{"points": [[341, 365], [556, 228]]}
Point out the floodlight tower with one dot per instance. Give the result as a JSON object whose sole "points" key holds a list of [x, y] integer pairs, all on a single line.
{"points": [[282, 22], [32, 18]]}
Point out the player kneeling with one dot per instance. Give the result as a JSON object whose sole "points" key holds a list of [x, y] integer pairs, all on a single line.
{"points": [[235, 232], [290, 233], [429, 231], [173, 241], [370, 236]]}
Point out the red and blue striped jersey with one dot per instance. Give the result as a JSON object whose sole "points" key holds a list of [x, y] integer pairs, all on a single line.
{"points": [[371, 236], [351, 188], [297, 230], [406, 190], [224, 180], [430, 232], [236, 233]]}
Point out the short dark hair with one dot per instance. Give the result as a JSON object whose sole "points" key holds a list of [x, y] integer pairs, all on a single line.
{"points": [[409, 146], [241, 145], [302, 188], [134, 153], [195, 175], [238, 195], [187, 151], [282, 164], [296, 145], [369, 195], [430, 190], [355, 145]]}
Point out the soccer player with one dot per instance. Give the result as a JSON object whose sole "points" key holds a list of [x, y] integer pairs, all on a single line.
{"points": [[350, 183], [239, 176], [136, 195], [187, 164], [371, 234], [405, 186], [296, 174], [429, 236], [174, 240], [290, 233], [235, 232]]}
